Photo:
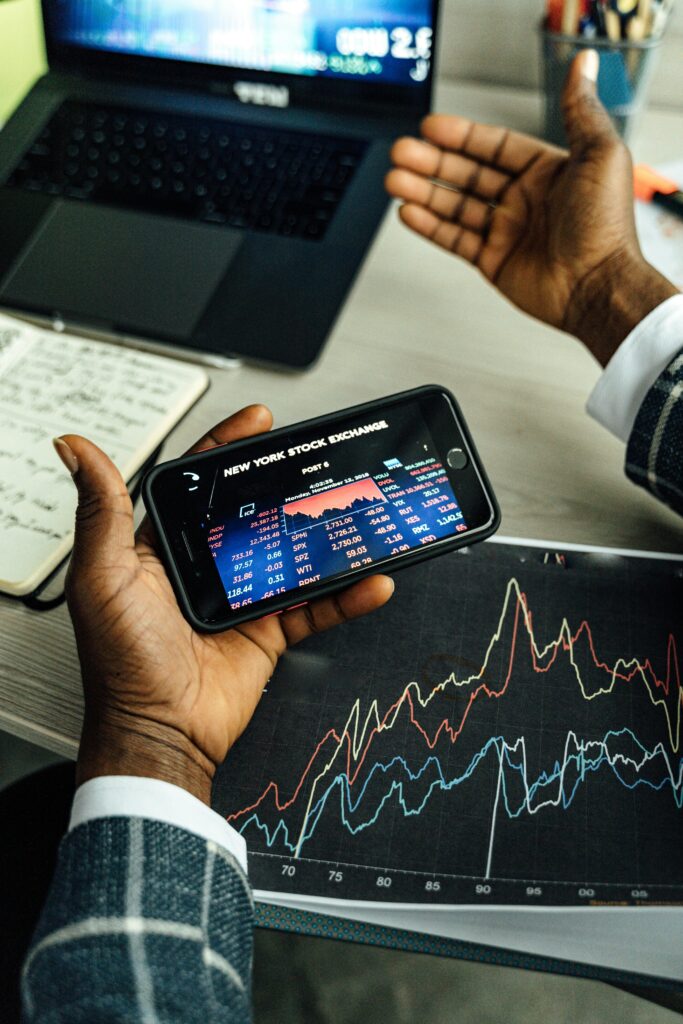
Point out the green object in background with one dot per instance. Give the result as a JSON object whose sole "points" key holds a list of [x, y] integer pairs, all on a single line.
{"points": [[22, 54]]}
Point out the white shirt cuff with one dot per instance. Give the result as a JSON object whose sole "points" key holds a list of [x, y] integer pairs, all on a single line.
{"points": [[635, 366], [132, 796]]}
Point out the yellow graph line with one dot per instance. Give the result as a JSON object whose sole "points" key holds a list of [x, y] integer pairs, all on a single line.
{"points": [[373, 719]]}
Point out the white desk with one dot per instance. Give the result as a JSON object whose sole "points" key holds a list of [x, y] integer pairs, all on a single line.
{"points": [[415, 316]]}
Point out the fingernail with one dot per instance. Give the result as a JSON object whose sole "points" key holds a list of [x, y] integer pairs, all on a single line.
{"points": [[591, 65], [66, 454]]}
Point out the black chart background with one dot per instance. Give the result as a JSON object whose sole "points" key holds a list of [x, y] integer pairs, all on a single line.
{"points": [[612, 843]]}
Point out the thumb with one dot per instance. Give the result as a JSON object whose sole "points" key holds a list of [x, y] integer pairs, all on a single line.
{"points": [[587, 123], [104, 517]]}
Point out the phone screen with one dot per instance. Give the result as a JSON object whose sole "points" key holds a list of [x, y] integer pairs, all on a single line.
{"points": [[314, 504], [329, 505]]}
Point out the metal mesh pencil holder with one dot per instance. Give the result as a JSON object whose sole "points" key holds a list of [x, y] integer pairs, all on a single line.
{"points": [[625, 70]]}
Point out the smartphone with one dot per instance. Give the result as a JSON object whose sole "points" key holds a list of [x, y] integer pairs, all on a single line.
{"points": [[271, 522]]}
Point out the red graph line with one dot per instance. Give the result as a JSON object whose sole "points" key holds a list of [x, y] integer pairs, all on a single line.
{"points": [[625, 677], [521, 615]]}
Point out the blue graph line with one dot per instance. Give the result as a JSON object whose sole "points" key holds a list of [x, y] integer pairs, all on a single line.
{"points": [[584, 765]]}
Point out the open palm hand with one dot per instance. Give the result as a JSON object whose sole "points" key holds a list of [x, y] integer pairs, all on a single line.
{"points": [[536, 220]]}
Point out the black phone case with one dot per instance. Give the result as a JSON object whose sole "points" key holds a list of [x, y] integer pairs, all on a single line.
{"points": [[398, 562]]}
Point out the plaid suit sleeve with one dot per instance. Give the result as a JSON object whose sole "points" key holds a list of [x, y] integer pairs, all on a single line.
{"points": [[144, 922], [654, 456]]}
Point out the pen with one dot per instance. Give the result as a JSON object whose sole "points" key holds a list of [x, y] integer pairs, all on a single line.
{"points": [[598, 15]]}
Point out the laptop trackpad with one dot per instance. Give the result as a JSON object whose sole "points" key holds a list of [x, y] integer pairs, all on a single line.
{"points": [[123, 270]]}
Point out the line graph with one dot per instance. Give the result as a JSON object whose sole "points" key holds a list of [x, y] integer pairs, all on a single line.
{"points": [[551, 756], [584, 756], [317, 509]]}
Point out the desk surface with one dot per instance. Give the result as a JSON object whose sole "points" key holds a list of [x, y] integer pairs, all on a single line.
{"points": [[415, 316]]}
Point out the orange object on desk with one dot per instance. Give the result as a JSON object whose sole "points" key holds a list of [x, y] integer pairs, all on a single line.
{"points": [[647, 181]]}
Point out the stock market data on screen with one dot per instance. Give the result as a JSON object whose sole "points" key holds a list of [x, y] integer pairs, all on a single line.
{"points": [[388, 41], [336, 503], [507, 730]]}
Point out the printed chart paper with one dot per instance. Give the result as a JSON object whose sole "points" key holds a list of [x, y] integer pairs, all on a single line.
{"points": [[503, 736]]}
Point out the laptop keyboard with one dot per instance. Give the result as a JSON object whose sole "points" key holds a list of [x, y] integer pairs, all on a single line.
{"points": [[204, 169]]}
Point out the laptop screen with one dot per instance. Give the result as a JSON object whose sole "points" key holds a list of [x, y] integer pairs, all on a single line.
{"points": [[387, 41]]}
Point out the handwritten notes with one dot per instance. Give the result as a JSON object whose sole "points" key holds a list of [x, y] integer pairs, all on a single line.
{"points": [[125, 401]]}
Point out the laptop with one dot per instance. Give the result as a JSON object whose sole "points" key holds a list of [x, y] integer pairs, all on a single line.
{"points": [[207, 173]]}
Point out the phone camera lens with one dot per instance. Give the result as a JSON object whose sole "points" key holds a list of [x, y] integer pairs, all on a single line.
{"points": [[457, 458]]}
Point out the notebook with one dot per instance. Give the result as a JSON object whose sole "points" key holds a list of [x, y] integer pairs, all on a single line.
{"points": [[123, 400]]}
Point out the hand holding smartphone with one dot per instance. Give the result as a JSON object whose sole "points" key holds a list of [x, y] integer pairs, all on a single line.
{"points": [[261, 525]]}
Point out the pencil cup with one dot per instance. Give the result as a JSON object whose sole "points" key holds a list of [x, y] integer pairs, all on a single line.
{"points": [[625, 70]]}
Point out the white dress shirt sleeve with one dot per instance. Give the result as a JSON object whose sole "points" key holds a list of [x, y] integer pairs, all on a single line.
{"points": [[129, 796], [635, 366]]}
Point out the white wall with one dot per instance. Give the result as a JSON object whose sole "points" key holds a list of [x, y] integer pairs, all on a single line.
{"points": [[497, 41]]}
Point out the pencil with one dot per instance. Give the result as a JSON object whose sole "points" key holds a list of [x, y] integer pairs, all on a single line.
{"points": [[613, 25], [636, 31], [570, 17]]}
